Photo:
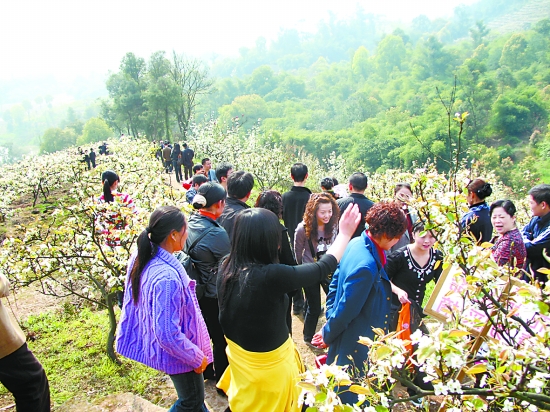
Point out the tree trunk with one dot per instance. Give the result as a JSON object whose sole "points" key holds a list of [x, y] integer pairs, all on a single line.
{"points": [[112, 329]]}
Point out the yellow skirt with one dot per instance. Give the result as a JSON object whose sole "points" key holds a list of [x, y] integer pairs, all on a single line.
{"points": [[262, 381]]}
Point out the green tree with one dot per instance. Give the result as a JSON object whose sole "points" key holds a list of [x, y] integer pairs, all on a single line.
{"points": [[514, 52], [55, 139], [390, 54], [95, 130], [360, 65], [126, 91], [478, 33]]}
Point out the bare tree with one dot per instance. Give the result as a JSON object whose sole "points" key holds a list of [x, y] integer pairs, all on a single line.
{"points": [[191, 76]]}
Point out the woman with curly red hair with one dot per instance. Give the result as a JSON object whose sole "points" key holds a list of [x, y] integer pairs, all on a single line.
{"points": [[312, 239], [359, 297]]}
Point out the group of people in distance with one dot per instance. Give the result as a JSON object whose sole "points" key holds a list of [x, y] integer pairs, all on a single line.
{"points": [[232, 323]]}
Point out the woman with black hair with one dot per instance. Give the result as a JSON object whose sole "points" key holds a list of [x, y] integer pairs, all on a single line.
{"points": [[110, 181], [211, 244], [161, 324], [411, 268], [477, 222], [327, 185], [252, 293], [272, 200], [508, 247]]}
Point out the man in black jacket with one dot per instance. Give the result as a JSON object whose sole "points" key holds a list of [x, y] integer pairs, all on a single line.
{"points": [[536, 234], [187, 161], [357, 186], [294, 206], [239, 187]]}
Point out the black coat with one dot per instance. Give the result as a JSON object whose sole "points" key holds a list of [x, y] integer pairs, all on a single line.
{"points": [[294, 206]]}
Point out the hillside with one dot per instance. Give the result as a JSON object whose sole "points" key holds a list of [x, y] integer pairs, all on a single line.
{"points": [[521, 19]]}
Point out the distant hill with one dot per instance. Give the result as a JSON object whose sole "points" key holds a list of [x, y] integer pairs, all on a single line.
{"points": [[522, 18]]}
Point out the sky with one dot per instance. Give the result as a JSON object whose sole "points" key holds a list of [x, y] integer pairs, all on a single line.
{"points": [[77, 37]]}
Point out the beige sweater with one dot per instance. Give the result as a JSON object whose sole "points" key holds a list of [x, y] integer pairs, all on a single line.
{"points": [[11, 335]]}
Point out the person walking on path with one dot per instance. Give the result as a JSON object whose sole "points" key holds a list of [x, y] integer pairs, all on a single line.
{"points": [[92, 157], [187, 161]]}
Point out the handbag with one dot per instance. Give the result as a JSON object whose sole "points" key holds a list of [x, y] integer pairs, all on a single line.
{"points": [[326, 281], [404, 325], [189, 264]]}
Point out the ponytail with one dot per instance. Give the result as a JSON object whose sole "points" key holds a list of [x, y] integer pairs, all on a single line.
{"points": [[108, 178]]}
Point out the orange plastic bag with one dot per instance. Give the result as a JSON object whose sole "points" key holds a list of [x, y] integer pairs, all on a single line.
{"points": [[404, 325]]}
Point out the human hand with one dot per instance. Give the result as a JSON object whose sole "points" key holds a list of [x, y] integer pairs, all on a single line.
{"points": [[318, 341], [402, 296], [203, 366], [349, 220]]}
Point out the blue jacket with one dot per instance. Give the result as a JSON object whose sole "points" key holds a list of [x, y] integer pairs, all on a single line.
{"points": [[359, 299], [536, 236]]}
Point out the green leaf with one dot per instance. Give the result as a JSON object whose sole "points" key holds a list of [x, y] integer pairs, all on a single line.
{"points": [[359, 390], [380, 408], [321, 397], [543, 307]]}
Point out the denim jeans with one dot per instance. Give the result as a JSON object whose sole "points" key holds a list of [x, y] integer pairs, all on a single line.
{"points": [[190, 389]]}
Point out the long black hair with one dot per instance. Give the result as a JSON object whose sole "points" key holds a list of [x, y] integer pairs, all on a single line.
{"points": [[162, 222], [256, 239], [108, 178]]}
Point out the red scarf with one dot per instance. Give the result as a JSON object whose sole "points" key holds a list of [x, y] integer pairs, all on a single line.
{"points": [[381, 253], [207, 214]]}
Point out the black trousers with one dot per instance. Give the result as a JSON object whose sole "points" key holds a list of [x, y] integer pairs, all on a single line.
{"points": [[24, 377], [188, 170], [211, 313]]}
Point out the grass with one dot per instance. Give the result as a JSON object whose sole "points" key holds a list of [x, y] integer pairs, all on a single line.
{"points": [[70, 346]]}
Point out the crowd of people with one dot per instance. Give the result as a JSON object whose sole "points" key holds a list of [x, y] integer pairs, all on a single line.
{"points": [[233, 323]]}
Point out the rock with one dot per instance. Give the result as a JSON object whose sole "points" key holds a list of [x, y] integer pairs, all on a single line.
{"points": [[123, 402]]}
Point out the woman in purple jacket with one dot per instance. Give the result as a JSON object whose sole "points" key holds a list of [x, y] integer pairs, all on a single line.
{"points": [[161, 324]]}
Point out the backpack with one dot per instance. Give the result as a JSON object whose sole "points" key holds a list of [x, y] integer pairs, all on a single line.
{"points": [[189, 264]]}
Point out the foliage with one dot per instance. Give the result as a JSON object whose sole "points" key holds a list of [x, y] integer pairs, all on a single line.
{"points": [[511, 370], [56, 139], [155, 99], [95, 130], [75, 251]]}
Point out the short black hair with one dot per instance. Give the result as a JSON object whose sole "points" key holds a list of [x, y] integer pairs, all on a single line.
{"points": [[196, 168], [358, 181], [185, 145], [198, 180], [507, 205], [327, 183], [239, 184], [298, 171], [203, 161], [541, 193], [222, 170]]}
